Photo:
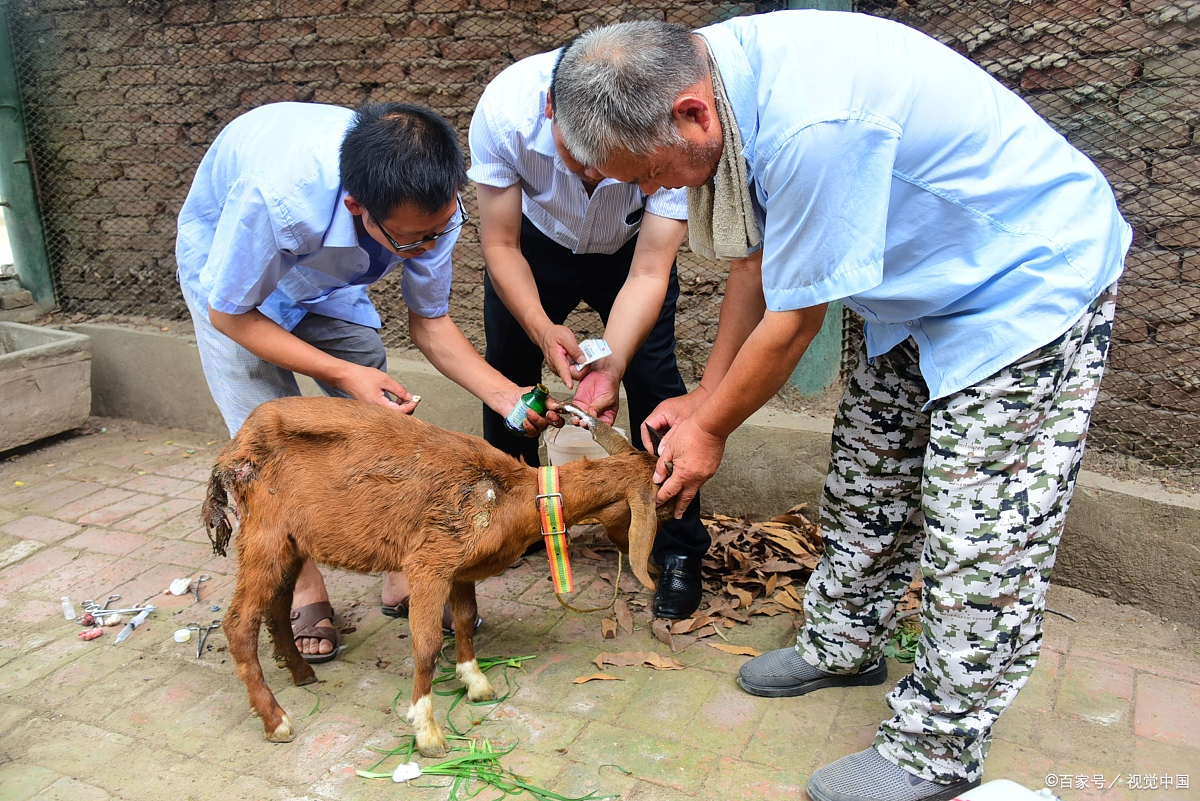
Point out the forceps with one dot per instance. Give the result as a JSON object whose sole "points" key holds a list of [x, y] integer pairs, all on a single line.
{"points": [[202, 634], [195, 588]]}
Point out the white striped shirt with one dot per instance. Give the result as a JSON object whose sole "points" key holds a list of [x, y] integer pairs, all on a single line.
{"points": [[511, 142]]}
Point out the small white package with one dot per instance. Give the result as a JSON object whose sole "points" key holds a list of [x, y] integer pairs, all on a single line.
{"points": [[593, 350]]}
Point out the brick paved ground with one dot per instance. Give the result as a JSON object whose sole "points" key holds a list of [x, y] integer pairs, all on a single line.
{"points": [[1116, 694]]}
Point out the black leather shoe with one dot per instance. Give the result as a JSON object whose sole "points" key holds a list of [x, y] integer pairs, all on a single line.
{"points": [[679, 587]]}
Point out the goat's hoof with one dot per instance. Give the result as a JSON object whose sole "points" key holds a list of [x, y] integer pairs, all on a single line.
{"points": [[485, 693], [433, 748], [306, 680], [284, 732]]}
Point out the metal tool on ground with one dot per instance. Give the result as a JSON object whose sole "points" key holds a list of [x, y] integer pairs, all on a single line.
{"points": [[93, 607], [196, 585], [133, 624], [100, 614], [202, 634]]}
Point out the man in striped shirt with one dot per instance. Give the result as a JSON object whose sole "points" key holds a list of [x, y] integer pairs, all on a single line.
{"points": [[555, 234]]}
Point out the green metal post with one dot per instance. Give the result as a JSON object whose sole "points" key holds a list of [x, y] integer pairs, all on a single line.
{"points": [[17, 193], [819, 367], [822, 362]]}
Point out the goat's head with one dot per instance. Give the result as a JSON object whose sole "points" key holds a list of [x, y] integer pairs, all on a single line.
{"points": [[645, 514]]}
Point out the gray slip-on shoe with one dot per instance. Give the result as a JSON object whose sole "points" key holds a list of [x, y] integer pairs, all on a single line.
{"points": [[781, 673], [868, 776]]}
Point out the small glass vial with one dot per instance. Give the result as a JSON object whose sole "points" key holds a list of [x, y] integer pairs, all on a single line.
{"points": [[68, 608], [534, 399]]}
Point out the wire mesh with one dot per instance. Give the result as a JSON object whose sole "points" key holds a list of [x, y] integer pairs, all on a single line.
{"points": [[121, 98]]}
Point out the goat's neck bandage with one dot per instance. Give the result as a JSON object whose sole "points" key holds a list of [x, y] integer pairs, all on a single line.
{"points": [[554, 530]]}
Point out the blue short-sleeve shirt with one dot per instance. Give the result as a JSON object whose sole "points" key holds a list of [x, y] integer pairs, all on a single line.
{"points": [[895, 175], [264, 226]]}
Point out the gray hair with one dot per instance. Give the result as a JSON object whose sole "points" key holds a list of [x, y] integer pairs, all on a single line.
{"points": [[613, 88]]}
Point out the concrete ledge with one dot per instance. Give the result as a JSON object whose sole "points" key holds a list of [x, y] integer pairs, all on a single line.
{"points": [[1129, 541]]}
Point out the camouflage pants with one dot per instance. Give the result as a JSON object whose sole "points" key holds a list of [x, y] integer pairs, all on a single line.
{"points": [[973, 491]]}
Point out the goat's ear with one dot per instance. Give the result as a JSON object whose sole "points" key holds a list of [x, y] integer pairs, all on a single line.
{"points": [[643, 526]]}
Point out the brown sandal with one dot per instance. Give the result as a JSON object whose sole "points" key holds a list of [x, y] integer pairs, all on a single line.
{"points": [[304, 624]]}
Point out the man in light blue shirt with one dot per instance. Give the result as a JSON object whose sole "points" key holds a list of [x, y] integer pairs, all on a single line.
{"points": [[882, 169], [555, 234], [295, 209]]}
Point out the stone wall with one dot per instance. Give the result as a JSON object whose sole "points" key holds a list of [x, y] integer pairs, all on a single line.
{"points": [[123, 96]]}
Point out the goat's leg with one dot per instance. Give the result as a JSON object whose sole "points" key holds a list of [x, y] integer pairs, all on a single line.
{"points": [[425, 621], [279, 625], [256, 584], [465, 611]]}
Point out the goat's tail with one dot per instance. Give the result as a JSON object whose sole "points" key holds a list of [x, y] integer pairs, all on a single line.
{"points": [[215, 512]]}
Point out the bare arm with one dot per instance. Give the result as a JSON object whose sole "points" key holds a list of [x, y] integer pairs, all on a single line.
{"points": [[741, 311], [634, 312], [269, 341], [696, 444], [640, 300], [500, 238], [443, 343], [755, 353]]}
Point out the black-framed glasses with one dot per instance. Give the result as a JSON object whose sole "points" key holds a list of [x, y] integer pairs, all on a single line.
{"points": [[396, 246]]}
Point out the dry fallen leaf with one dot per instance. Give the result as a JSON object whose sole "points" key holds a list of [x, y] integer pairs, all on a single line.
{"points": [[744, 598], [742, 650], [596, 677], [648, 658], [784, 599], [691, 624], [662, 632], [771, 610], [624, 616], [608, 628]]}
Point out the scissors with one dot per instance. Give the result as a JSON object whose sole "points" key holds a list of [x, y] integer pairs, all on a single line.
{"points": [[92, 606], [195, 588], [202, 633]]}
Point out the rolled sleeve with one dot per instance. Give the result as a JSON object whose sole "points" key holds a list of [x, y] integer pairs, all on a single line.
{"points": [[826, 199], [669, 203]]}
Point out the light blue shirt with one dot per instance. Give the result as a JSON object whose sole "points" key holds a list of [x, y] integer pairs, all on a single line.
{"points": [[264, 226], [897, 176], [512, 142]]}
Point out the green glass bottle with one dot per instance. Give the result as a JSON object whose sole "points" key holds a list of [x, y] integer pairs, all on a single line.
{"points": [[534, 399]]}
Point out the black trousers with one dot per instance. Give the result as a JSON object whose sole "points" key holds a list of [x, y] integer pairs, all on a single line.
{"points": [[564, 279]]}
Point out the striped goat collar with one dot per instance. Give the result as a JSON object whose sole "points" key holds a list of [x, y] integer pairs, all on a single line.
{"points": [[554, 530]]}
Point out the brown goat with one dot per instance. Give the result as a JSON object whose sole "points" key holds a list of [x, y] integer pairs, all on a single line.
{"points": [[368, 489]]}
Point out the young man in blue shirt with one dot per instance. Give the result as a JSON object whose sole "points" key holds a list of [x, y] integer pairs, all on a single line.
{"points": [[295, 209], [839, 156]]}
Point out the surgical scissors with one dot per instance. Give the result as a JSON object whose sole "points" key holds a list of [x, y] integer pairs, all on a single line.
{"points": [[196, 585], [202, 634], [92, 606]]}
